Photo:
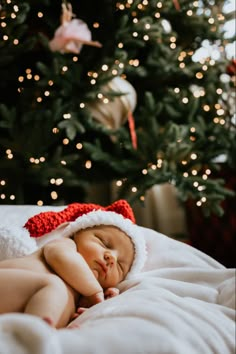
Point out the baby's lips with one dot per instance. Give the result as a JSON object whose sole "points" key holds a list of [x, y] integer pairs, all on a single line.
{"points": [[104, 268]]}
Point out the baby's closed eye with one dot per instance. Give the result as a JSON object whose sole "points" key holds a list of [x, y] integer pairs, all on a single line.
{"points": [[121, 266], [105, 243]]}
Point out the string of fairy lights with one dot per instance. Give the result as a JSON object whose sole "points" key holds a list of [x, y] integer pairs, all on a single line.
{"points": [[145, 32]]}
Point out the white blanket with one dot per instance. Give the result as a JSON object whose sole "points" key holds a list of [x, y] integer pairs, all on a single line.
{"points": [[183, 302]]}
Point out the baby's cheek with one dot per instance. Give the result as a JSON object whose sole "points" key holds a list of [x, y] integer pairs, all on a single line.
{"points": [[95, 272], [115, 278]]}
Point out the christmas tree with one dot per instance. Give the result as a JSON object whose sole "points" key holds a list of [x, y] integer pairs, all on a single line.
{"points": [[114, 91]]}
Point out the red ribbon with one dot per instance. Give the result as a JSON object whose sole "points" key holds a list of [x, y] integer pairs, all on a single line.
{"points": [[176, 4], [132, 130]]}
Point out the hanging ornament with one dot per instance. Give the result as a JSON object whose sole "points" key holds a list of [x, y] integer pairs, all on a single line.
{"points": [[72, 34], [114, 113]]}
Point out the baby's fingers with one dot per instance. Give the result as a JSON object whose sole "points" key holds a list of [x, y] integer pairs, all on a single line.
{"points": [[111, 292], [81, 310]]}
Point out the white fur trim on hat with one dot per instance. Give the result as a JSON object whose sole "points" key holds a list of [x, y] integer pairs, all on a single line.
{"points": [[100, 217]]}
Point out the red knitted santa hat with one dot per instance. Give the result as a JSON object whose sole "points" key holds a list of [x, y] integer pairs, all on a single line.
{"points": [[45, 222]]}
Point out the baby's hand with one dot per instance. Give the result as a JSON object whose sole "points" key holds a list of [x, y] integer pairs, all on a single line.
{"points": [[111, 292], [95, 298], [85, 302], [88, 301]]}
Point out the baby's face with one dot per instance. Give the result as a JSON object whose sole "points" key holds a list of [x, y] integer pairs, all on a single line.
{"points": [[108, 251]]}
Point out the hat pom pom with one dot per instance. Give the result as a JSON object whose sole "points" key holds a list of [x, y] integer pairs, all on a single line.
{"points": [[122, 207]]}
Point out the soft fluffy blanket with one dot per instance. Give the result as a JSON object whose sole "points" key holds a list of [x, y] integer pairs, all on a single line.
{"points": [[183, 302]]}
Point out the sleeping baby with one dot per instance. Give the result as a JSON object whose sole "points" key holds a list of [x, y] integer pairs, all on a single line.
{"points": [[90, 256]]}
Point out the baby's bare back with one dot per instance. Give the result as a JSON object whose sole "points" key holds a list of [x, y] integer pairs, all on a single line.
{"points": [[34, 262]]}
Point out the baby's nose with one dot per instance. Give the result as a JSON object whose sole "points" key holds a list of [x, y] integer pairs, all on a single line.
{"points": [[110, 258]]}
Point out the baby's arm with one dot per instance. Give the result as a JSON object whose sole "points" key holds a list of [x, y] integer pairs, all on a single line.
{"points": [[62, 256]]}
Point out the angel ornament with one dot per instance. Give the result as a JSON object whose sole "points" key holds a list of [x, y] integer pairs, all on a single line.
{"points": [[72, 34]]}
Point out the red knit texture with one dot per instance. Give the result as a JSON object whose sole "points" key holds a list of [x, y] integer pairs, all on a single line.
{"points": [[42, 223]]}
